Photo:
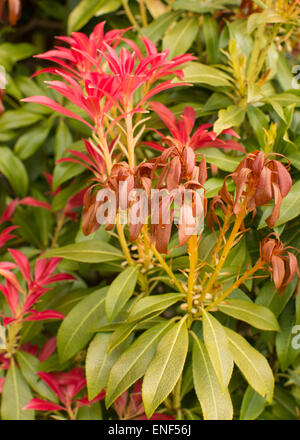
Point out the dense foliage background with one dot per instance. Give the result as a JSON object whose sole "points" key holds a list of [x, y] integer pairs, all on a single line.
{"points": [[245, 77]]}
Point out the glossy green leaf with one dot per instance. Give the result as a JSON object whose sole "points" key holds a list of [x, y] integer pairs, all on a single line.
{"points": [[201, 73], [220, 159], [252, 364], [86, 252], [152, 304], [99, 363], [75, 330], [203, 6], [121, 333], [252, 405], [290, 207], [156, 29], [20, 118], [216, 343], [166, 367], [63, 139], [32, 139], [92, 412], [258, 316], [285, 351], [268, 296], [14, 170], [232, 116], [133, 363], [120, 291], [29, 366], [215, 403], [259, 122], [15, 395], [211, 35], [83, 12], [180, 37]]}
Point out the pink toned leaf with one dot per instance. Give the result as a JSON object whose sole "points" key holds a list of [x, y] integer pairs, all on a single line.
{"points": [[48, 102]]}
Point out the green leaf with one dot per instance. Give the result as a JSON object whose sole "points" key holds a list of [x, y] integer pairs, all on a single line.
{"points": [[29, 366], [75, 330], [92, 412], [232, 116], [155, 30], [201, 73], [211, 35], [213, 186], [14, 170], [284, 99], [108, 6], [295, 159], [15, 395], [120, 291], [204, 5], [285, 351], [32, 139], [11, 53], [180, 37], [166, 367], [83, 12], [220, 159], [133, 363], [290, 207], [63, 139], [99, 363], [258, 316], [216, 343], [215, 403], [14, 119], [252, 405], [64, 171], [252, 364], [61, 198], [86, 252], [259, 122], [286, 403], [152, 304], [268, 296], [121, 333]]}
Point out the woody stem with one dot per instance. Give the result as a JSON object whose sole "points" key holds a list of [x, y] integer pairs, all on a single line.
{"points": [[143, 13], [238, 221], [220, 240], [123, 241], [167, 269], [130, 15], [258, 265], [193, 256], [12, 336], [60, 223], [130, 141]]}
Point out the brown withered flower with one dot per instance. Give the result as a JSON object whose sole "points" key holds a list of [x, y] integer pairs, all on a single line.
{"points": [[181, 179], [14, 10], [282, 264], [258, 180]]}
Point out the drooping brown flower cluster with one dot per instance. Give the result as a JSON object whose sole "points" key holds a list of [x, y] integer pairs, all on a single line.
{"points": [[282, 264], [259, 181], [171, 174], [14, 10]]}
